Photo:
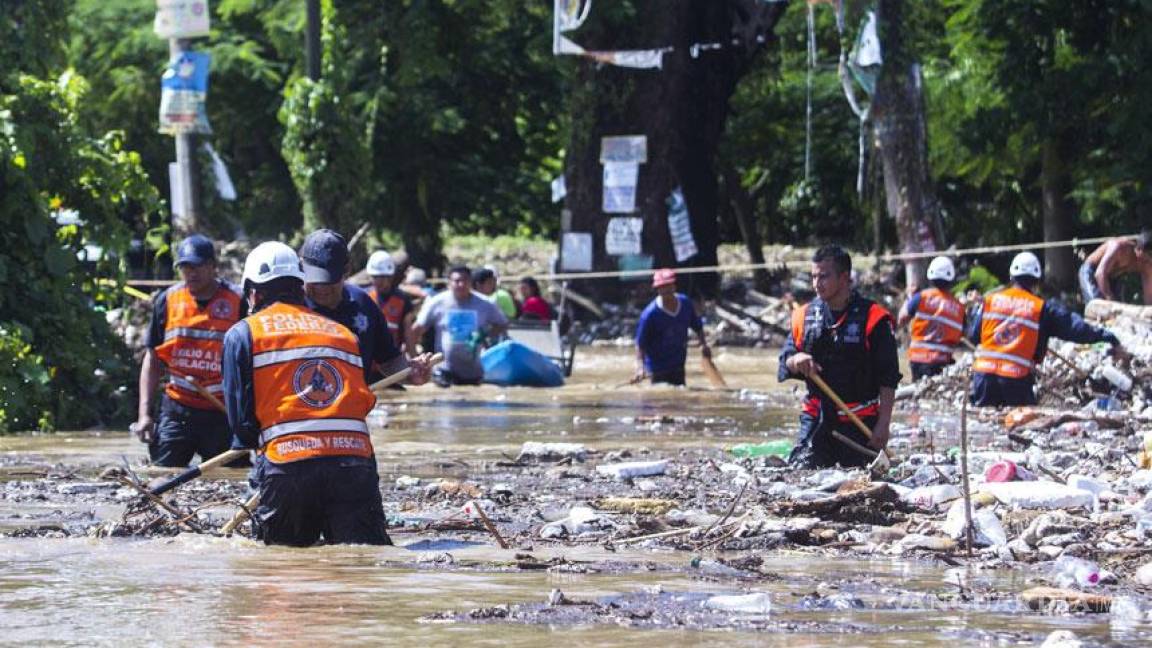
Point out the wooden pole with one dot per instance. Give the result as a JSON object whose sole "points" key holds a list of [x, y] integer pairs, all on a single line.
{"points": [[244, 513], [964, 473]]}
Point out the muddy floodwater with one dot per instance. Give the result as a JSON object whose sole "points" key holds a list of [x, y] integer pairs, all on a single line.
{"points": [[439, 587]]}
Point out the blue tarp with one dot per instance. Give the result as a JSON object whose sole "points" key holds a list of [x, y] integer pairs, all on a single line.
{"points": [[512, 363]]}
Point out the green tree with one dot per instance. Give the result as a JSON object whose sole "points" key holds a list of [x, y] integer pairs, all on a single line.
{"points": [[68, 198]]}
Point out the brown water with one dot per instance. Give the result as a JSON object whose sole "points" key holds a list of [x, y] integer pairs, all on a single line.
{"points": [[203, 590]]}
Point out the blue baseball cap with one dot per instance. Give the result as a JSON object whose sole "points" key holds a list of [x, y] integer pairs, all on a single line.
{"points": [[324, 256], [195, 249]]}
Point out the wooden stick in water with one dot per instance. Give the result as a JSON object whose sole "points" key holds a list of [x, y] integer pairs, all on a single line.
{"points": [[488, 524], [964, 473], [244, 513]]}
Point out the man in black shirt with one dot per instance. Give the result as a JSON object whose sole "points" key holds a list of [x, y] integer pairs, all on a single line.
{"points": [[848, 341], [324, 257]]}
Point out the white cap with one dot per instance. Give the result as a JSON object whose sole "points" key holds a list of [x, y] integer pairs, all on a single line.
{"points": [[1025, 264], [941, 268], [380, 264], [416, 276], [272, 260]]}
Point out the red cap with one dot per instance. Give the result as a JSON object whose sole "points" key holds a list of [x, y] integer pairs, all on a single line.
{"points": [[1001, 471], [663, 277]]}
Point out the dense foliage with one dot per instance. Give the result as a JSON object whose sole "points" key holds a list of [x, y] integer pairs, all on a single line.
{"points": [[69, 201]]}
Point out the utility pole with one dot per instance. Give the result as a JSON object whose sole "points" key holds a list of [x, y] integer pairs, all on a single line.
{"points": [[186, 215], [312, 52]]}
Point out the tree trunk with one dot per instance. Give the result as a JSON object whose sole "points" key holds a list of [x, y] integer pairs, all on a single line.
{"points": [[898, 118], [743, 210], [420, 227], [1055, 184], [681, 109]]}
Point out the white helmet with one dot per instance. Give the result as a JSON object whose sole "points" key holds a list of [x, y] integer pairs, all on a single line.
{"points": [[380, 264], [272, 260], [941, 269], [1025, 264]]}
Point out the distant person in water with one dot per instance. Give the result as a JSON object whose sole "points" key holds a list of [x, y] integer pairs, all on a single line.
{"points": [[662, 332], [534, 306], [486, 283]]}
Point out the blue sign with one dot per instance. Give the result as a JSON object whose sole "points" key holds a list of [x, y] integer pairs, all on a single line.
{"points": [[184, 93]]}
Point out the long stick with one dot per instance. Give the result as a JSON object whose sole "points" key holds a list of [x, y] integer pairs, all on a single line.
{"points": [[964, 472], [206, 395], [243, 514], [871, 454], [488, 524], [403, 374], [815, 378], [1077, 370], [711, 372], [196, 471], [881, 462]]}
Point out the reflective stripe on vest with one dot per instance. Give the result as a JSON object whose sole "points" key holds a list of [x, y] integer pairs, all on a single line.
{"points": [[937, 327], [304, 353], [214, 388], [194, 343], [1009, 333], [308, 381]]}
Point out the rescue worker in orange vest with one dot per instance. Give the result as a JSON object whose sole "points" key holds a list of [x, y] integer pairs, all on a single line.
{"points": [[937, 321], [185, 338], [295, 390], [395, 304], [848, 341], [1012, 327]]}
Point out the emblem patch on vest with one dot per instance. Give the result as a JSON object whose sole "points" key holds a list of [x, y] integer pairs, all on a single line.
{"points": [[221, 309], [1006, 334], [317, 383]]}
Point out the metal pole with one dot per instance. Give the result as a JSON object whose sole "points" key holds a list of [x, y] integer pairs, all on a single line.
{"points": [[312, 40], [186, 216]]}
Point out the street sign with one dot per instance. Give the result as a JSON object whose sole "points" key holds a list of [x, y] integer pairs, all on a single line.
{"points": [[183, 94], [181, 18]]}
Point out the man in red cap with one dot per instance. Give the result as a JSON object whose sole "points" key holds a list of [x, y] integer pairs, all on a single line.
{"points": [[662, 332]]}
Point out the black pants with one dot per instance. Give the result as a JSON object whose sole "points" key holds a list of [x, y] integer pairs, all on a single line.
{"points": [[990, 390], [183, 432], [921, 370], [334, 498], [817, 448], [670, 377], [445, 378]]}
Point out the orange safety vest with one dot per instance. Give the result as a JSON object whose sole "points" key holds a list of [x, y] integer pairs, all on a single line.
{"points": [[937, 327], [1009, 333], [194, 343], [308, 380], [845, 368], [393, 311]]}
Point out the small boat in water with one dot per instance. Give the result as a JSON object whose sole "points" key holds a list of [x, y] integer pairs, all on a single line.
{"points": [[512, 363]]}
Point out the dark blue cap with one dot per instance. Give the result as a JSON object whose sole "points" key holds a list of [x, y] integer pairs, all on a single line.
{"points": [[324, 256], [195, 249]]}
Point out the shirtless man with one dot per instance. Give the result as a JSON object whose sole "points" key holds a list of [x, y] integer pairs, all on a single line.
{"points": [[1118, 256]]}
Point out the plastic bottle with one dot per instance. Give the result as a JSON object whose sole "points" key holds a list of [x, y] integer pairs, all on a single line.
{"points": [[777, 448], [1068, 571], [1117, 378]]}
